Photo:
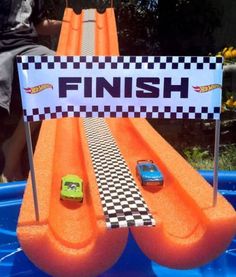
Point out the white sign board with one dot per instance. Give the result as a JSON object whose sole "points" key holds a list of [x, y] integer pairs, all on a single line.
{"points": [[120, 86]]}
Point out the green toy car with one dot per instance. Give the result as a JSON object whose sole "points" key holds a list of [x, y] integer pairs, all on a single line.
{"points": [[72, 188]]}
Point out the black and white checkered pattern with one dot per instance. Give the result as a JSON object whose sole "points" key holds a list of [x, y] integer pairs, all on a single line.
{"points": [[120, 111], [122, 62], [122, 202]]}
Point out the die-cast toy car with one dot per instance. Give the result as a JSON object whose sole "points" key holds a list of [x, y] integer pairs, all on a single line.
{"points": [[72, 188], [149, 173]]}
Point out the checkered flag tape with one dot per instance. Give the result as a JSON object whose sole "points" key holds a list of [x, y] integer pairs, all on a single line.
{"points": [[122, 202]]}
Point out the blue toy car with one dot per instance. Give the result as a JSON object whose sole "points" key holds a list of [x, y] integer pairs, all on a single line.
{"points": [[148, 173]]}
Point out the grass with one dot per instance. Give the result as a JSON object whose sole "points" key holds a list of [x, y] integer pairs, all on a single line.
{"points": [[201, 158]]}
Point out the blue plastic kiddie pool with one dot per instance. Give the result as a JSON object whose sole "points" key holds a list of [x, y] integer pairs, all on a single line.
{"points": [[13, 261]]}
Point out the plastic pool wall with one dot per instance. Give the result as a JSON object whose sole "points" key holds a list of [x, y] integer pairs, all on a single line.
{"points": [[13, 261]]}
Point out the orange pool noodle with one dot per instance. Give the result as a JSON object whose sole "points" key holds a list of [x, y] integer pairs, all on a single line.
{"points": [[70, 238], [190, 231]]}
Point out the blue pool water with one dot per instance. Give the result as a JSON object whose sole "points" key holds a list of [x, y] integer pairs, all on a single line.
{"points": [[13, 261]]}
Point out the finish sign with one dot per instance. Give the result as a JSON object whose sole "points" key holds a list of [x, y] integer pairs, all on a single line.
{"points": [[120, 86]]}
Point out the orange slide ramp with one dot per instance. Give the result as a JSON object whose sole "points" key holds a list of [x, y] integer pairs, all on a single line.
{"points": [[71, 239]]}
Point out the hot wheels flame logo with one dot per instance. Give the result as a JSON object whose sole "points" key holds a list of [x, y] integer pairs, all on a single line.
{"points": [[38, 88], [203, 89]]}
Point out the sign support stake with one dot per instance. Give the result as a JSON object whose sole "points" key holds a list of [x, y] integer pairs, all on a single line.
{"points": [[32, 172], [216, 161]]}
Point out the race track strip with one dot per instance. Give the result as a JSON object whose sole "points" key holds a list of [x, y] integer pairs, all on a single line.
{"points": [[122, 202]]}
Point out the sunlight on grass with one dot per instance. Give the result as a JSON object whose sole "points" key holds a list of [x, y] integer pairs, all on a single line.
{"points": [[201, 158]]}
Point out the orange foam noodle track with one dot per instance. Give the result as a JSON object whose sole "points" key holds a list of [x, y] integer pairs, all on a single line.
{"points": [[70, 239], [189, 230]]}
